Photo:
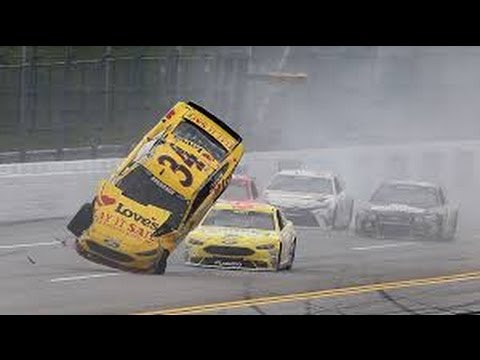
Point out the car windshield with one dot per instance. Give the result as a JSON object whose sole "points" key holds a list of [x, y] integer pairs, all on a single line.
{"points": [[142, 187], [236, 191], [240, 219], [303, 184], [411, 195], [189, 131]]}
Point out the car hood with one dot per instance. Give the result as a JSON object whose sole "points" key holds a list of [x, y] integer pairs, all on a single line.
{"points": [[295, 200], [124, 224], [214, 235], [396, 208]]}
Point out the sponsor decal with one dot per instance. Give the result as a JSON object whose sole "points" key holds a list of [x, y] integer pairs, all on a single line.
{"points": [[229, 242], [228, 263], [130, 214], [112, 243], [105, 200], [116, 222], [170, 114]]}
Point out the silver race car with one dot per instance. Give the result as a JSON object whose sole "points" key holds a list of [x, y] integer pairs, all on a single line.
{"points": [[407, 209], [311, 198]]}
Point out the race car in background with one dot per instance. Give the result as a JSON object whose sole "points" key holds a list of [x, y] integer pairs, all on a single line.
{"points": [[408, 209], [160, 192], [240, 188], [243, 235], [311, 198]]}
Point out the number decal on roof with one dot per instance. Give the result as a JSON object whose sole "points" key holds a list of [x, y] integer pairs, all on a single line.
{"points": [[175, 167]]}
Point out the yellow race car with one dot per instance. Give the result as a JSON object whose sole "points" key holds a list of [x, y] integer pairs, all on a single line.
{"points": [[242, 235], [160, 192]]}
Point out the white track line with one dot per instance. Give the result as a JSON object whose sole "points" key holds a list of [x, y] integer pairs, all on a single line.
{"points": [[374, 247], [61, 173], [83, 277], [16, 246]]}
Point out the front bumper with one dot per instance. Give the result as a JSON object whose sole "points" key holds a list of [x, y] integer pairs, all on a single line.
{"points": [[102, 255], [260, 260], [383, 226]]}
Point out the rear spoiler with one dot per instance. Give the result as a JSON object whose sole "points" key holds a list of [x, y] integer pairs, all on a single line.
{"points": [[219, 122]]}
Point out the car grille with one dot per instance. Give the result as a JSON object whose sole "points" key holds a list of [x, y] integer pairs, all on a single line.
{"points": [[229, 262], [395, 218], [108, 253], [229, 251]]}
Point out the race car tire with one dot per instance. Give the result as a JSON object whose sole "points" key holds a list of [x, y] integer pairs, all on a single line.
{"points": [[292, 256], [335, 219], [450, 236], [161, 263], [82, 220], [350, 216], [279, 259]]}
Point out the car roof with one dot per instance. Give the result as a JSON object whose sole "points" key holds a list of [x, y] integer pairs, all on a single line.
{"points": [[412, 183], [307, 173], [245, 206]]}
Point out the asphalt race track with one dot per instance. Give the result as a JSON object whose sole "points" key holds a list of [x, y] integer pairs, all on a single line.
{"points": [[334, 273]]}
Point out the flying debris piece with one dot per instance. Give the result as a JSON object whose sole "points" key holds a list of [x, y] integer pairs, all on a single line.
{"points": [[31, 260], [63, 242]]}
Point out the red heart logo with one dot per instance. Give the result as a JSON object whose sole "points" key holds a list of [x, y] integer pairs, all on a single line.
{"points": [[107, 200]]}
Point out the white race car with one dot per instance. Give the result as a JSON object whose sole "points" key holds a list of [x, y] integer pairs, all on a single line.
{"points": [[408, 209], [311, 198]]}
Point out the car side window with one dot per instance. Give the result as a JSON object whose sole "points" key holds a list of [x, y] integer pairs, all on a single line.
{"points": [[281, 223]]}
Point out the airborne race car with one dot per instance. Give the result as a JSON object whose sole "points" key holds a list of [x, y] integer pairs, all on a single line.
{"points": [[160, 192], [243, 235], [408, 209], [311, 198]]}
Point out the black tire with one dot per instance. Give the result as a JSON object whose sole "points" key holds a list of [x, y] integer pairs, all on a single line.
{"points": [[161, 263], [81, 221], [334, 219], [350, 216], [451, 235], [292, 256], [279, 260]]}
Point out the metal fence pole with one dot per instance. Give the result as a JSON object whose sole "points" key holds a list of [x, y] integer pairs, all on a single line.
{"points": [[22, 110], [108, 59]]}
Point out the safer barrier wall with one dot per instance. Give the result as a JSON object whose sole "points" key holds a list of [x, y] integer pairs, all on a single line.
{"points": [[56, 189]]}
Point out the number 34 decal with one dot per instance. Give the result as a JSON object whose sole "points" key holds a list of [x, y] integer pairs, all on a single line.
{"points": [[176, 167]]}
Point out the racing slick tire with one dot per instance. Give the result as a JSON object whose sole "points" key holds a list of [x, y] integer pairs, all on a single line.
{"points": [[450, 236], [82, 220], [335, 219], [161, 263], [292, 256], [279, 259]]}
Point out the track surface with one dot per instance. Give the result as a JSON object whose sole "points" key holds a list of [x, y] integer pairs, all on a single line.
{"points": [[41, 275]]}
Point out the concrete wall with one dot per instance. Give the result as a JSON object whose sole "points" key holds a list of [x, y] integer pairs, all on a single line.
{"points": [[34, 191]]}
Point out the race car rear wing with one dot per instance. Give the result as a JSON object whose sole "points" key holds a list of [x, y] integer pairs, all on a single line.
{"points": [[219, 122]]}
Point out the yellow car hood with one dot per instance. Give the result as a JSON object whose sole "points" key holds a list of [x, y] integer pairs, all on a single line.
{"points": [[122, 223], [210, 235]]}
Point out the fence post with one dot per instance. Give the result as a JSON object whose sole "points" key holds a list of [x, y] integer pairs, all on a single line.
{"points": [[22, 105], [108, 59], [172, 75]]}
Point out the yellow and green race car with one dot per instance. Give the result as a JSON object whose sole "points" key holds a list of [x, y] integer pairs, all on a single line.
{"points": [[242, 235], [160, 192]]}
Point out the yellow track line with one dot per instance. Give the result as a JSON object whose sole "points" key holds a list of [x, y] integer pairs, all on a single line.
{"points": [[354, 290]]}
